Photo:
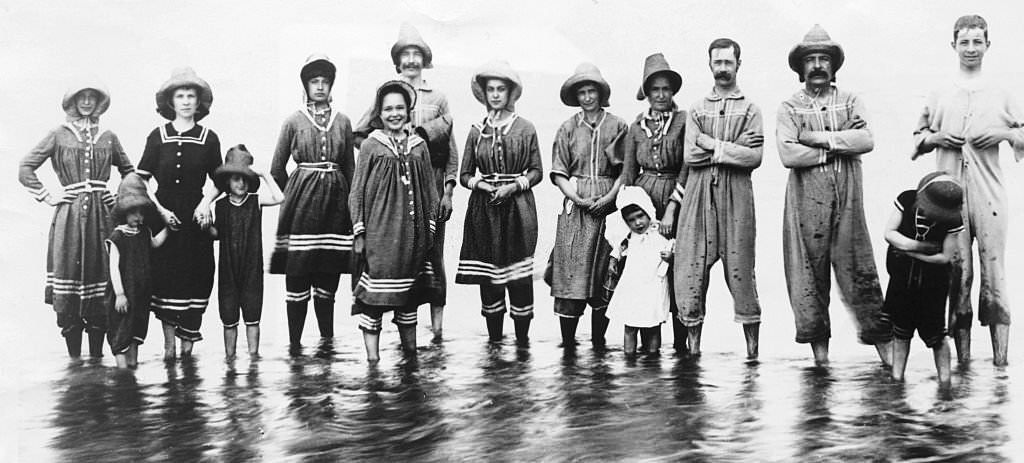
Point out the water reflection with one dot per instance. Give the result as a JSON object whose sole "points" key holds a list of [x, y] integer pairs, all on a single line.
{"points": [[467, 400]]}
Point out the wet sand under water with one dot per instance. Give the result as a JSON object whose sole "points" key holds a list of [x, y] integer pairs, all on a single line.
{"points": [[465, 400]]}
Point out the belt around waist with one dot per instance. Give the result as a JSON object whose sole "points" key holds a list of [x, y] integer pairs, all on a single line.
{"points": [[653, 173], [325, 166], [499, 178], [86, 186]]}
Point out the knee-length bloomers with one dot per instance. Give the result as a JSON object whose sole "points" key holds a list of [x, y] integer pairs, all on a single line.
{"points": [[967, 111], [314, 228], [394, 205], [591, 154], [76, 262], [499, 240], [824, 225], [183, 267]]}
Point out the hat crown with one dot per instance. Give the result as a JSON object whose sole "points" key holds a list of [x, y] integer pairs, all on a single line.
{"points": [[655, 63], [409, 36], [943, 191], [585, 72], [238, 155], [817, 34]]}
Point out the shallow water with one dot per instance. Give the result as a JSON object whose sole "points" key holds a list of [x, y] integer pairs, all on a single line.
{"points": [[465, 400]]}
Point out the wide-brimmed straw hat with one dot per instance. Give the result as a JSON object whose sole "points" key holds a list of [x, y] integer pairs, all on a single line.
{"points": [[656, 64], [940, 198], [131, 195], [816, 41], [408, 36], [237, 161], [497, 70], [183, 77], [389, 87], [585, 73], [317, 65], [69, 102]]}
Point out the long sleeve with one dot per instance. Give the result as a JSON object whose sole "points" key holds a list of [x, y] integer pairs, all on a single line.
{"points": [[853, 141], [282, 152], [684, 170], [441, 128], [468, 170], [35, 158], [630, 165], [793, 153], [348, 152], [924, 127], [356, 195], [693, 153], [1015, 123], [730, 154]]}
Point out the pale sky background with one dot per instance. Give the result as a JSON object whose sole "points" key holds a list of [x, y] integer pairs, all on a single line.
{"points": [[251, 52]]}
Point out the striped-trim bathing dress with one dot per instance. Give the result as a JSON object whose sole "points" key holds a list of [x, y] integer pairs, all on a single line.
{"points": [[76, 263], [499, 240], [314, 228], [394, 204], [183, 267]]}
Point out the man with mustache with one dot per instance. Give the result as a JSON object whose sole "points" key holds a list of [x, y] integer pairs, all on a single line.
{"points": [[432, 122], [821, 134], [964, 124], [723, 144]]}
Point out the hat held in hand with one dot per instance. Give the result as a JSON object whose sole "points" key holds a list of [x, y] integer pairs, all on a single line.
{"points": [[237, 161]]}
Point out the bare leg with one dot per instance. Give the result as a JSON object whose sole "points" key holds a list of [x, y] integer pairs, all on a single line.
{"points": [[900, 352], [122, 360], [1000, 343], [751, 332], [941, 353], [437, 321], [653, 346], [186, 348], [885, 352], [820, 350], [169, 341], [693, 339], [133, 355], [629, 340], [230, 340], [252, 338], [962, 340], [407, 333], [372, 343]]}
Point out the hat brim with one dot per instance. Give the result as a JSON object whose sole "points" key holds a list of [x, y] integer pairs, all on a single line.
{"points": [[674, 79], [832, 49], [568, 91], [68, 103], [388, 87], [127, 202], [165, 94], [480, 81], [223, 174]]}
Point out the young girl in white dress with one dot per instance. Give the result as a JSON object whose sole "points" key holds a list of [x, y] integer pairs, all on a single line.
{"points": [[637, 286]]}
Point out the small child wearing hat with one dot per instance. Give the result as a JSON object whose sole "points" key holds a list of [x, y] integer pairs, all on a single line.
{"points": [[637, 287], [130, 287], [921, 233], [238, 225]]}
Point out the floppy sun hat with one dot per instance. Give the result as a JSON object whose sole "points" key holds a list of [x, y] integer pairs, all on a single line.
{"points": [[586, 73]]}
